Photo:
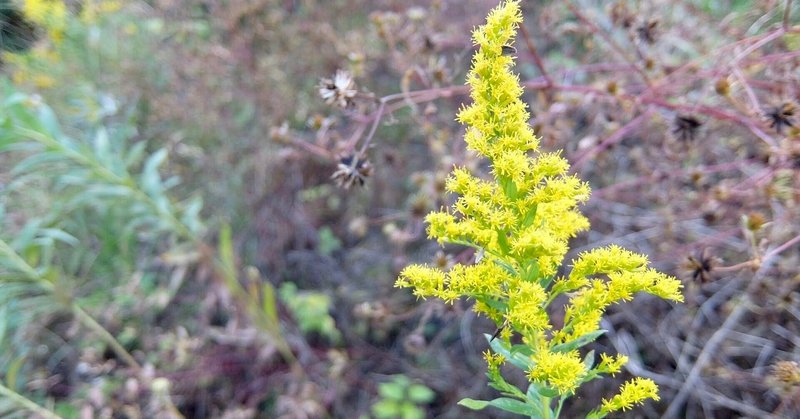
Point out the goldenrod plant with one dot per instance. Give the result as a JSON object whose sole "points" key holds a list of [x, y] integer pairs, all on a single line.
{"points": [[520, 222]]}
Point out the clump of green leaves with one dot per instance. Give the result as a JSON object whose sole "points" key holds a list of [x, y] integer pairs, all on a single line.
{"points": [[82, 204], [311, 311], [520, 221], [401, 399]]}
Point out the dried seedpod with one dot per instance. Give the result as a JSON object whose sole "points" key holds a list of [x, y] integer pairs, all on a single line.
{"points": [[685, 127], [701, 265], [647, 31], [781, 116], [755, 220], [352, 170], [340, 90], [620, 15], [785, 376]]}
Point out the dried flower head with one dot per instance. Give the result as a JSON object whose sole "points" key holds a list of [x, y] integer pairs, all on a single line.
{"points": [[785, 376], [685, 127], [781, 116], [647, 31], [754, 221], [351, 170], [620, 15], [701, 265], [340, 90], [280, 134]]}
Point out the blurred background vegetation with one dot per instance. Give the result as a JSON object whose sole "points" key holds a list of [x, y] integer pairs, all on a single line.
{"points": [[173, 244]]}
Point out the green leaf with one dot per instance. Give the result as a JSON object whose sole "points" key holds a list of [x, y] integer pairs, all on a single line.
{"points": [[135, 154], [269, 307], [588, 360], [530, 216], [514, 355], [547, 391], [60, 235], [386, 409], [495, 304], [474, 404], [509, 187], [34, 161], [49, 121], [502, 241], [502, 403], [420, 394], [12, 372], [409, 411], [102, 148], [393, 391], [532, 397], [151, 179], [579, 342], [328, 242]]}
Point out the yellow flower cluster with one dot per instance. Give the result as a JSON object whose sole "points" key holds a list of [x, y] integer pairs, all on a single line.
{"points": [[520, 222], [631, 393], [93, 9], [563, 371], [49, 14]]}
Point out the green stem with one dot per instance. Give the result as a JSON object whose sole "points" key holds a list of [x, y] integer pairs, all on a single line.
{"points": [[560, 405], [546, 412], [82, 316], [92, 324], [23, 266], [26, 403]]}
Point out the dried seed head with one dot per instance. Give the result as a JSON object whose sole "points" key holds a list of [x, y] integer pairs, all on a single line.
{"points": [[685, 127], [647, 31], [339, 91], [280, 134], [781, 116], [755, 220], [620, 15], [700, 266], [784, 375], [351, 170]]}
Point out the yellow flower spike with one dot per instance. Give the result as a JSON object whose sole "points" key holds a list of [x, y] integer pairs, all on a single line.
{"points": [[520, 220]]}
